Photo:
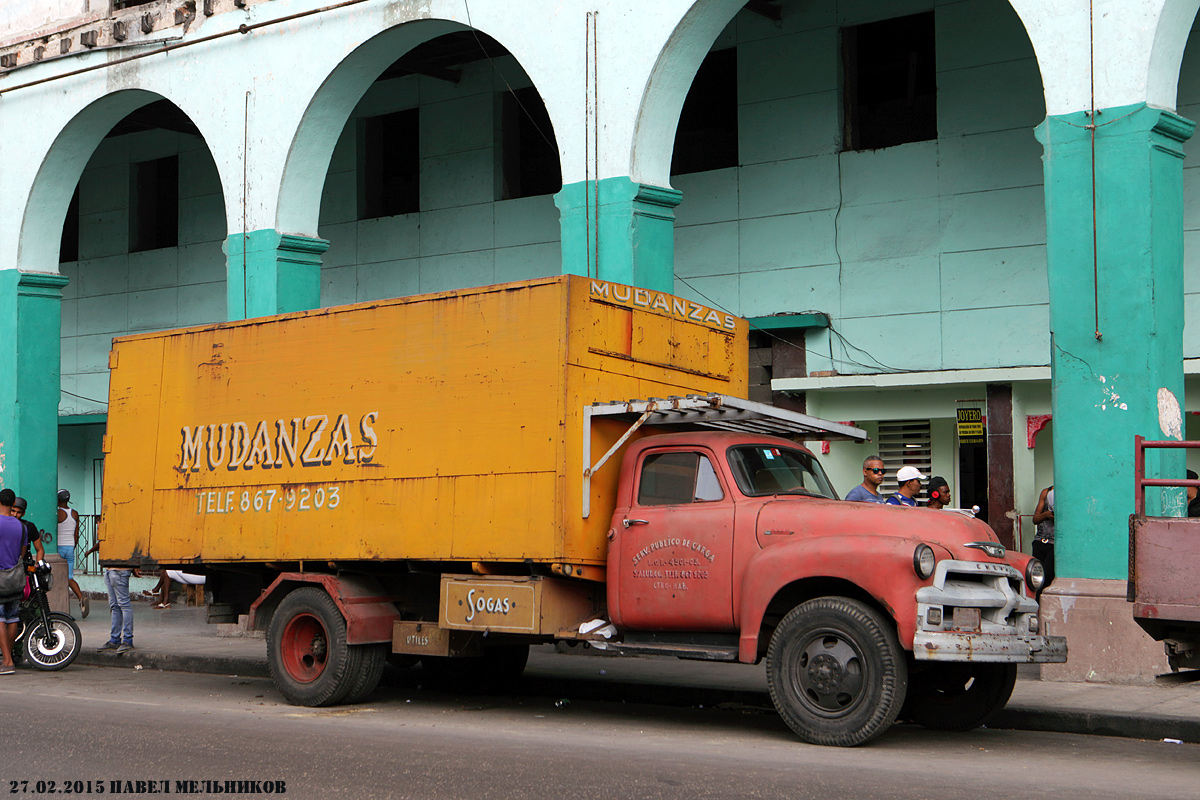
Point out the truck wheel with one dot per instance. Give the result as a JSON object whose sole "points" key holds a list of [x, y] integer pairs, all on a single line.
{"points": [[307, 653], [372, 659], [505, 666], [836, 672], [958, 696], [498, 670]]}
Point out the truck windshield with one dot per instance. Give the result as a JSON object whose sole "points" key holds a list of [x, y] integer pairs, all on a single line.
{"points": [[765, 469]]}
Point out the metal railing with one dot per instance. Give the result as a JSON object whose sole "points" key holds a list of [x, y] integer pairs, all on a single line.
{"points": [[85, 537], [1140, 481]]}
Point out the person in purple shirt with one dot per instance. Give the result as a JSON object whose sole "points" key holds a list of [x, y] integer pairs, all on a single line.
{"points": [[12, 542], [868, 490]]}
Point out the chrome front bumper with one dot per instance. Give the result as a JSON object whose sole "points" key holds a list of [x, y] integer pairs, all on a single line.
{"points": [[1010, 649], [1005, 629]]}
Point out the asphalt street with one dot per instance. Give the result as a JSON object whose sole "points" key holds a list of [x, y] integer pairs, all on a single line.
{"points": [[103, 724]]}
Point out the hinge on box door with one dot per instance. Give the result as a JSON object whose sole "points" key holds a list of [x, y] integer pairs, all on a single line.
{"points": [[112, 359], [106, 443]]}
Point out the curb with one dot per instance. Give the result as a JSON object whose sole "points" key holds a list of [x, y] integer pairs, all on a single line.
{"points": [[1048, 720], [213, 665], [1094, 723]]}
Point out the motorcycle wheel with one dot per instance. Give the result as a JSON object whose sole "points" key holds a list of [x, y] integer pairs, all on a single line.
{"points": [[56, 651]]}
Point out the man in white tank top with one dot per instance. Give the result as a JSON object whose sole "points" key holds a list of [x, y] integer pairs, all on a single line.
{"points": [[68, 526]]}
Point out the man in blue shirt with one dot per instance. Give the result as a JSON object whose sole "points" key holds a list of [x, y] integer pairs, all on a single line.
{"points": [[868, 490], [909, 479], [12, 542]]}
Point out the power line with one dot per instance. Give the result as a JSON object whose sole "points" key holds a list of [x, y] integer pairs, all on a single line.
{"points": [[847, 344]]}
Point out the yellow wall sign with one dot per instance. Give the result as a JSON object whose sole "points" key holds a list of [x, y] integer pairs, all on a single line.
{"points": [[970, 426]]}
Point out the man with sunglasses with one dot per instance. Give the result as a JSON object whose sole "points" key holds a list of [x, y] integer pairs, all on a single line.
{"points": [[868, 490]]}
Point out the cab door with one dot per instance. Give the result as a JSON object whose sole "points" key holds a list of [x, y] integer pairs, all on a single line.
{"points": [[675, 545]]}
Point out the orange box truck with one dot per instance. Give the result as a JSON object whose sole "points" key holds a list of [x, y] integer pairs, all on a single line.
{"points": [[453, 477]]}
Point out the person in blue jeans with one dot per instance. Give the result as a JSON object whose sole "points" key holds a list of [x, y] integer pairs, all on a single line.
{"points": [[116, 580]]}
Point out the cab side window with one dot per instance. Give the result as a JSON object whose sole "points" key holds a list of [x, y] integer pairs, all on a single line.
{"points": [[670, 479]]}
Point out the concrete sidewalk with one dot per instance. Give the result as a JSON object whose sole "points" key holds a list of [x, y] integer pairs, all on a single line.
{"points": [[179, 639]]}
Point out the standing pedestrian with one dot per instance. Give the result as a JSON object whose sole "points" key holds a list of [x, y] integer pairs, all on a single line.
{"points": [[32, 535], [868, 490], [116, 581], [1193, 496], [1043, 543], [909, 479], [12, 542], [939, 493], [68, 529]]}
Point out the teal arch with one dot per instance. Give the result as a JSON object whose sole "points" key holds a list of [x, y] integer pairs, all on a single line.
{"points": [[59, 173], [316, 136]]}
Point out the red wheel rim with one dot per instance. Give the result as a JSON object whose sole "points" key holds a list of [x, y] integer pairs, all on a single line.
{"points": [[304, 648]]}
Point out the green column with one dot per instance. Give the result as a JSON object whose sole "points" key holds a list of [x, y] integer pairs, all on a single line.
{"points": [[30, 331], [1128, 379], [619, 230], [273, 273]]}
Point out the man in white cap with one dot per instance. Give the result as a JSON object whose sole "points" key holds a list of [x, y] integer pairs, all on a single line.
{"points": [[909, 479]]}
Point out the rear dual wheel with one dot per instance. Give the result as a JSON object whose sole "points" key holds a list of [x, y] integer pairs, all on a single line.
{"points": [[309, 659]]}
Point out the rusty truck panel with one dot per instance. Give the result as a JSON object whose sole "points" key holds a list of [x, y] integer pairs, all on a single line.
{"points": [[441, 427], [1163, 556], [1164, 553]]}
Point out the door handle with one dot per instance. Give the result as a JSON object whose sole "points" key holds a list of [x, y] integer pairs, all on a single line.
{"points": [[628, 522]]}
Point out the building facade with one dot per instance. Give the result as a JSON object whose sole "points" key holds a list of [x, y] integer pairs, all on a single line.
{"points": [[928, 208]]}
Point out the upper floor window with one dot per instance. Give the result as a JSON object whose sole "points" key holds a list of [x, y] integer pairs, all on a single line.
{"points": [[528, 152], [68, 247], [707, 136], [119, 4], [670, 479], [154, 204], [389, 165], [890, 91]]}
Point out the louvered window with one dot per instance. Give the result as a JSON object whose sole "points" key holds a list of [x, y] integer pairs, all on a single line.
{"points": [[904, 443]]}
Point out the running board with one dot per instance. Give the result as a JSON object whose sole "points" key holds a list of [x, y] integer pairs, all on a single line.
{"points": [[693, 652]]}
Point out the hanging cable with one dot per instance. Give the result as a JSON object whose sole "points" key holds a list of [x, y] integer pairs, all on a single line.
{"points": [[845, 342], [496, 69], [596, 135], [89, 399], [1092, 131]]}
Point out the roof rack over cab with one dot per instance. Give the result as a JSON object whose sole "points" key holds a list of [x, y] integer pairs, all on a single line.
{"points": [[704, 412]]}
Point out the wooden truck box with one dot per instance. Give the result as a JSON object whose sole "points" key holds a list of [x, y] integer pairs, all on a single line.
{"points": [[440, 427]]}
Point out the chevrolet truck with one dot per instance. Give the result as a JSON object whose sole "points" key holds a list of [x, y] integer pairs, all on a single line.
{"points": [[451, 478]]}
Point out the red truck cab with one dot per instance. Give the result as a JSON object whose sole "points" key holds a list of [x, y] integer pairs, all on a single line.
{"points": [[735, 546]]}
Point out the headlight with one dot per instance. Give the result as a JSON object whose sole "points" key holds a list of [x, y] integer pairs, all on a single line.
{"points": [[1035, 574], [924, 561]]}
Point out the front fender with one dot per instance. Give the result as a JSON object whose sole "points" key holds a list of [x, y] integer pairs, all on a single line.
{"points": [[882, 566]]}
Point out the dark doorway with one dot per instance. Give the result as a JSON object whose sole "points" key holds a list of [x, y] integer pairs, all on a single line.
{"points": [[973, 477]]}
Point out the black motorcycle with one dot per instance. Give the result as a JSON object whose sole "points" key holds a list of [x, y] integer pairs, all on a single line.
{"points": [[49, 639]]}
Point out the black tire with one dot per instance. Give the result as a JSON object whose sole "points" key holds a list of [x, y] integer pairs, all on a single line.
{"points": [[372, 658], [402, 661], [498, 670], [57, 652], [958, 696], [307, 653], [836, 672]]}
